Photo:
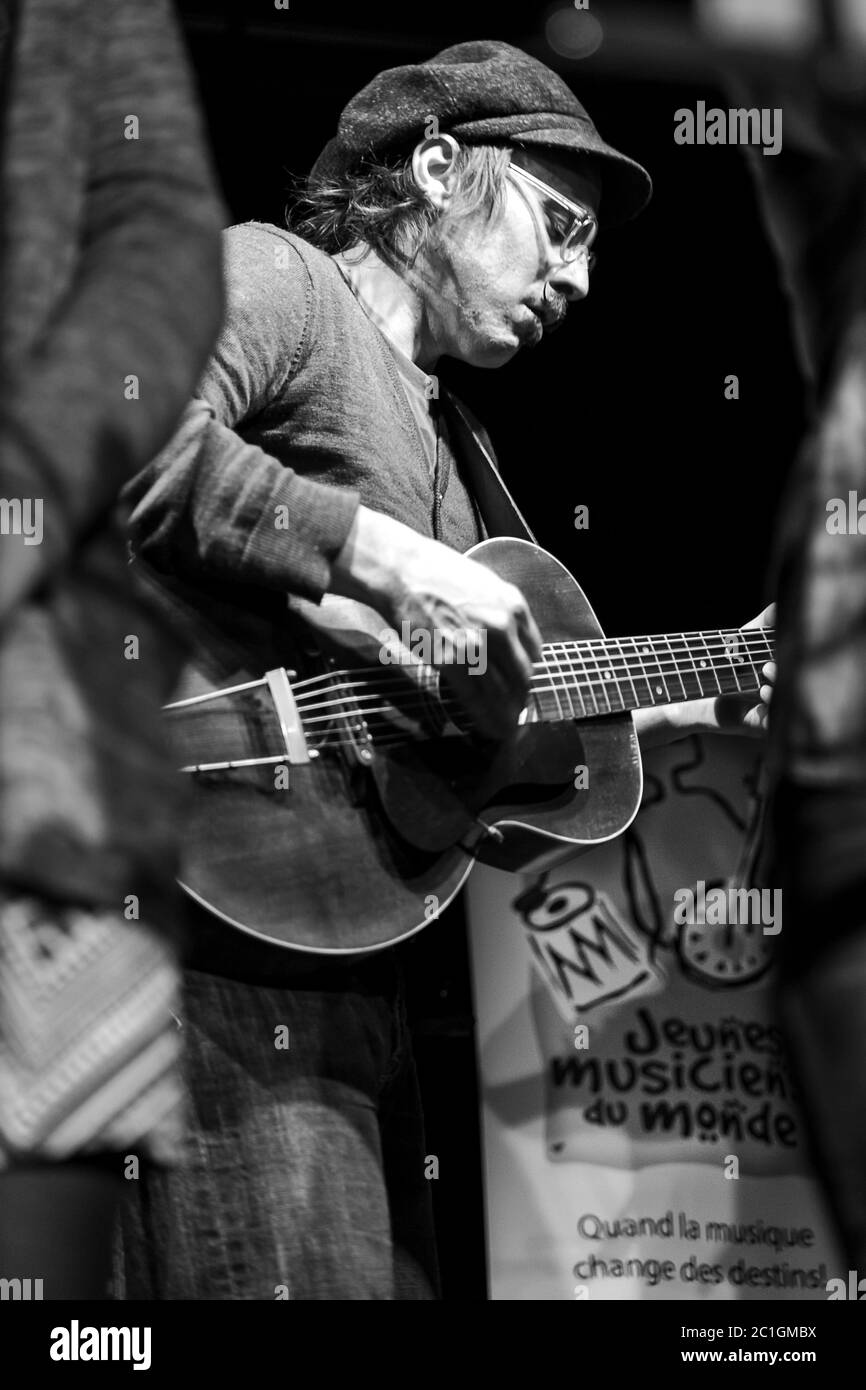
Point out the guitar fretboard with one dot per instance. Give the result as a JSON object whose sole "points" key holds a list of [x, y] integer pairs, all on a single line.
{"points": [[610, 675]]}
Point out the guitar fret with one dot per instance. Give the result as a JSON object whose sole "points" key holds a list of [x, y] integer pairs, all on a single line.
{"points": [[761, 636], [610, 676], [577, 690], [633, 701], [603, 692], [644, 696], [710, 673], [689, 679], [734, 643], [613, 683], [702, 664], [583, 678], [672, 674], [657, 689], [613, 674], [726, 671], [556, 681], [567, 677], [553, 674]]}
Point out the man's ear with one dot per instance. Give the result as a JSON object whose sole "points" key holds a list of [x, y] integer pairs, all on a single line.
{"points": [[434, 167]]}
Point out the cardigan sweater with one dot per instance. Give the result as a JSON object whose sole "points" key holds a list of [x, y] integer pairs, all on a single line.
{"points": [[300, 415]]}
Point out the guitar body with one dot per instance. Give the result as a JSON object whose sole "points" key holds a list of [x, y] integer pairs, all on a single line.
{"points": [[365, 844]]}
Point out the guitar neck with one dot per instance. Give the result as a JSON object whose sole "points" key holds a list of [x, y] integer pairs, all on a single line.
{"points": [[611, 675]]}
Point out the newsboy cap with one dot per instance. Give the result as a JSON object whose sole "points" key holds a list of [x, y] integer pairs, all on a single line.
{"points": [[482, 93]]}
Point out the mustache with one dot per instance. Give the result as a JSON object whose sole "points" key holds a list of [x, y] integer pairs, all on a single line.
{"points": [[551, 310]]}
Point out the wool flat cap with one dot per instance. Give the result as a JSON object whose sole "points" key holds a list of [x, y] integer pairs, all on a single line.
{"points": [[482, 93]]}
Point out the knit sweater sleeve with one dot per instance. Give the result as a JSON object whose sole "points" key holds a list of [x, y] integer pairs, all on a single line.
{"points": [[212, 505]]}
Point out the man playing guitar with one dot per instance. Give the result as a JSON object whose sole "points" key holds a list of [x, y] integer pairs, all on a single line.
{"points": [[454, 214]]}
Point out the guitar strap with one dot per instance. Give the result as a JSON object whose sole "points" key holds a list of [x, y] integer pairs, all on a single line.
{"points": [[499, 511]]}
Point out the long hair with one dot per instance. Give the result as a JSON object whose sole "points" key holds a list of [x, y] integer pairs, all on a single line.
{"points": [[380, 203]]}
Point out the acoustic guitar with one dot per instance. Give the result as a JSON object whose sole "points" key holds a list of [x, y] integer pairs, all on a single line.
{"points": [[339, 800]]}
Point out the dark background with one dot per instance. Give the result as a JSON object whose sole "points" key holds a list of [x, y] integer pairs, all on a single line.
{"points": [[623, 410]]}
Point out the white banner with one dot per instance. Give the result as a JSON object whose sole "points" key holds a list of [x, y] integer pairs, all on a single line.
{"points": [[641, 1130]]}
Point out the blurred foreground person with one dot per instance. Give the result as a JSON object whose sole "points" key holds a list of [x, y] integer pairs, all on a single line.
{"points": [[110, 300], [813, 195]]}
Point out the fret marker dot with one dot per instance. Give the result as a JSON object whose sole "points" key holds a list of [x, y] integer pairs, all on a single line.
{"points": [[658, 690]]}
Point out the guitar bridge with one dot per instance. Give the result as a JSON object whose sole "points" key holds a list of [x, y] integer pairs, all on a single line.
{"points": [[286, 708]]}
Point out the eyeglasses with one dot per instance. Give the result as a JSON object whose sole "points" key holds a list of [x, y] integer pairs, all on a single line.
{"points": [[572, 228]]}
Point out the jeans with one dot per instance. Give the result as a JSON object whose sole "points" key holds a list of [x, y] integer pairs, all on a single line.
{"points": [[304, 1177]]}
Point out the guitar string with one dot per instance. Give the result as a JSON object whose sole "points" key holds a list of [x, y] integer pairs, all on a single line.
{"points": [[332, 737], [357, 692], [320, 740], [360, 690], [416, 699], [551, 690], [754, 638], [383, 679], [585, 713], [592, 682], [625, 662]]}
